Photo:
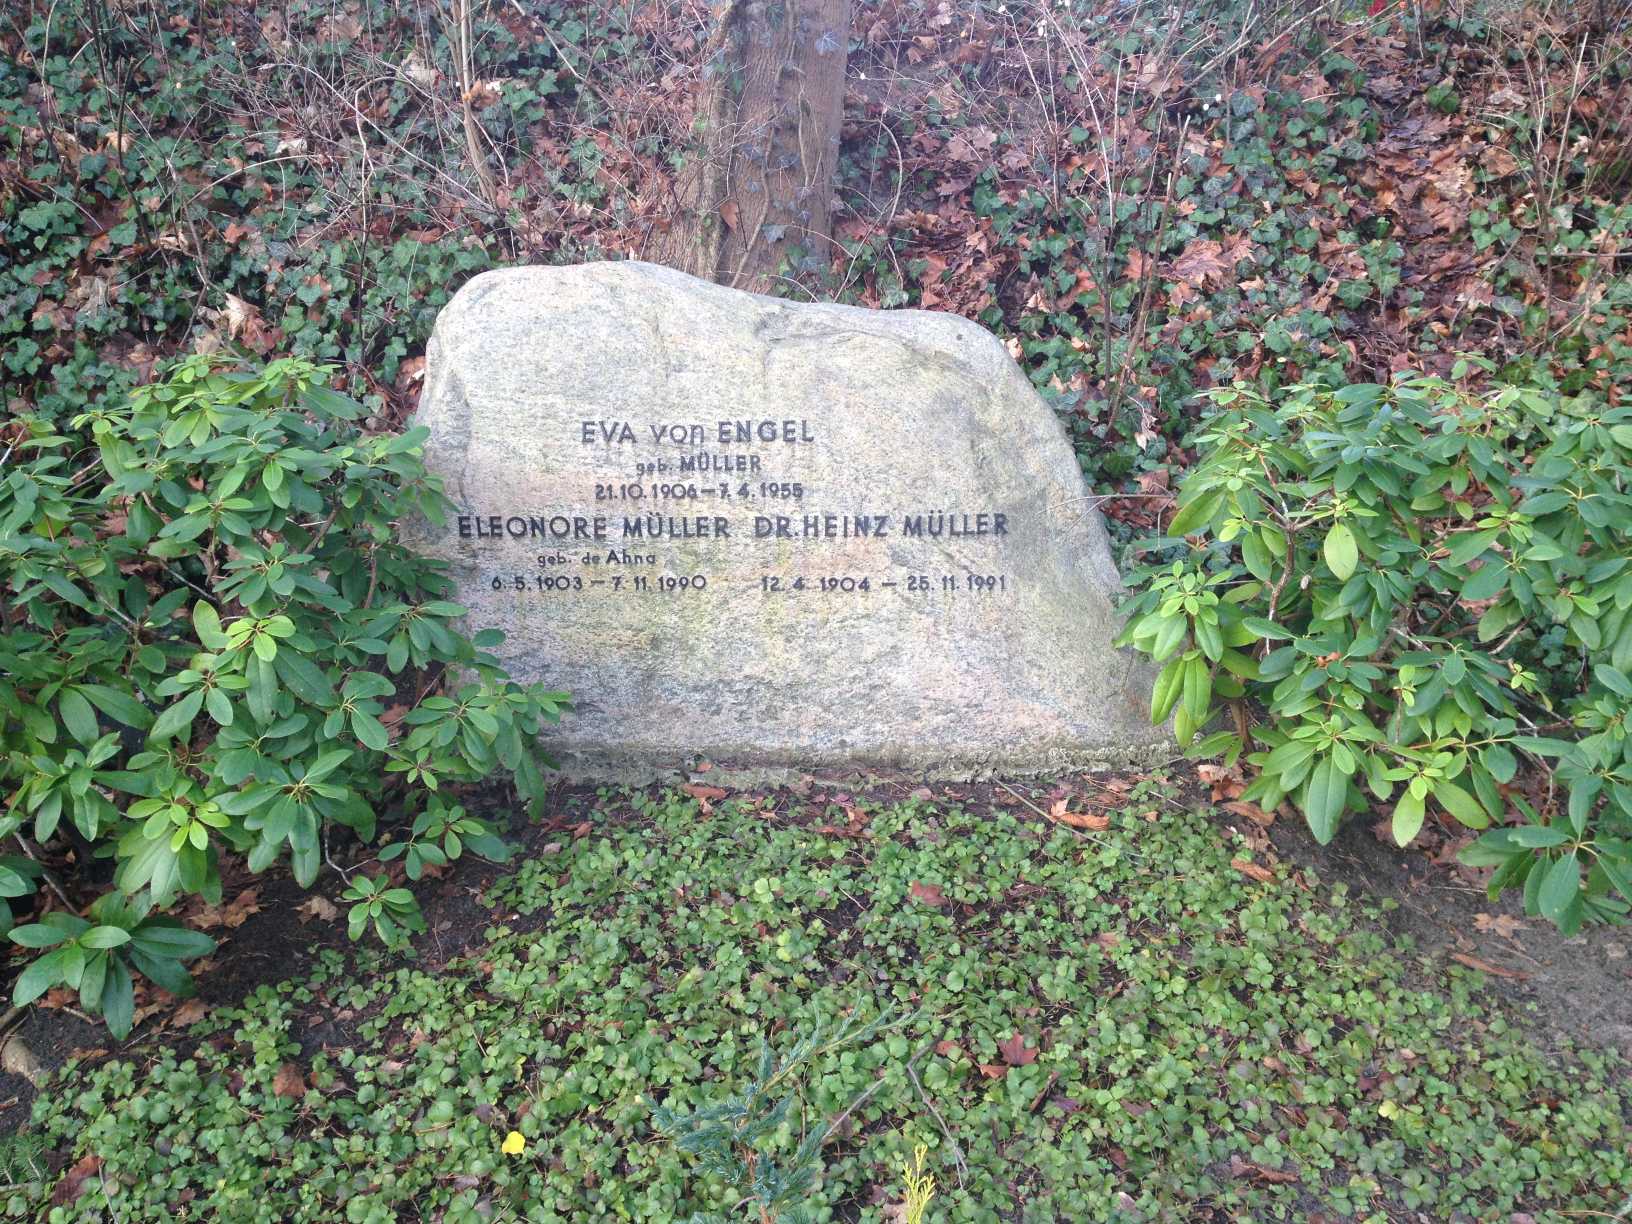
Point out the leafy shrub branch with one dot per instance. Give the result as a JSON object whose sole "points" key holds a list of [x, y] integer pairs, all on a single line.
{"points": [[213, 644], [1421, 586]]}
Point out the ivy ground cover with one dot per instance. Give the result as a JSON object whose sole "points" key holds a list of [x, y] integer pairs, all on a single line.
{"points": [[1100, 1017]]}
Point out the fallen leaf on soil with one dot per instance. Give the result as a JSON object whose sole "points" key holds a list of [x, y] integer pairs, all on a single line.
{"points": [[1226, 782], [707, 796], [1258, 1172], [1255, 870], [289, 1082], [237, 911], [1473, 962], [318, 907], [948, 1049], [56, 997], [1077, 820], [929, 894], [1499, 924], [1016, 1052], [73, 1182], [992, 1072], [191, 1011], [1250, 810]]}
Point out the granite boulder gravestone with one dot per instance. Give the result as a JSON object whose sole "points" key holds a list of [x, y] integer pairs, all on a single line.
{"points": [[772, 534]]}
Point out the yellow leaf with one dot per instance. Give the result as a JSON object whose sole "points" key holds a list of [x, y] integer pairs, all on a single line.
{"points": [[514, 1144]]}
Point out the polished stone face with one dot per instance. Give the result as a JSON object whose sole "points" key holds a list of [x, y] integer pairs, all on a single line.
{"points": [[772, 534]]}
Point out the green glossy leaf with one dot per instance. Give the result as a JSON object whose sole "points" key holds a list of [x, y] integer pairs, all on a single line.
{"points": [[1559, 886], [39, 977], [207, 625], [1324, 798], [78, 716], [1463, 806], [117, 705], [177, 718], [118, 999], [105, 937], [1195, 514], [1340, 550], [1501, 762], [1408, 817]]}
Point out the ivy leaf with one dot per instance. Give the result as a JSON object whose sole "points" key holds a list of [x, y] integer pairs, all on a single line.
{"points": [[1341, 552]]}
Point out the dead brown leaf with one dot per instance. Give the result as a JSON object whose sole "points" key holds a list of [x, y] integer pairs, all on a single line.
{"points": [[706, 796], [1201, 261], [928, 894], [1498, 160], [1251, 811], [1016, 1052], [1247, 1168], [317, 907], [1226, 781], [1255, 870], [73, 1182], [1484, 966], [289, 1082], [237, 911], [190, 1012], [1497, 924], [1059, 811]]}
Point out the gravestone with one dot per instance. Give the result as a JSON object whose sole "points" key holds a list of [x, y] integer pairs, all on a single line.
{"points": [[769, 534]]}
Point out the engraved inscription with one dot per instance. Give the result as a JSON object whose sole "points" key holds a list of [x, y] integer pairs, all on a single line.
{"points": [[651, 507]]}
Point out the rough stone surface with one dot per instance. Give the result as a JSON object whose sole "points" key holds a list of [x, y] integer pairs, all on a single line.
{"points": [[900, 567]]}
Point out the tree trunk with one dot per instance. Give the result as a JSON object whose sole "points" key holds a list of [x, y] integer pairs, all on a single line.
{"points": [[755, 197]]}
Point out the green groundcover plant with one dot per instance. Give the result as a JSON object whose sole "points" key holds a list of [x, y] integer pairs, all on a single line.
{"points": [[213, 644], [1423, 587], [1114, 1026]]}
